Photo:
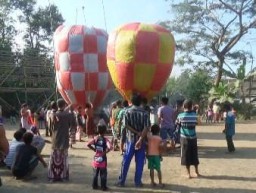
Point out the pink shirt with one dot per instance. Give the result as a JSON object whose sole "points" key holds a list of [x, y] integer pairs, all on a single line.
{"points": [[100, 159], [154, 142]]}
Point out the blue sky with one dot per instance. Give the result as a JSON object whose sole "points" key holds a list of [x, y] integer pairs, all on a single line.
{"points": [[119, 12]]}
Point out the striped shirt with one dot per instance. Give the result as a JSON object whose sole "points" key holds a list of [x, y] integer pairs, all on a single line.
{"points": [[187, 121], [138, 119]]}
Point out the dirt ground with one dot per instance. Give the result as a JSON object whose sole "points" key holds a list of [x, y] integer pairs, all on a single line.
{"points": [[221, 172]]}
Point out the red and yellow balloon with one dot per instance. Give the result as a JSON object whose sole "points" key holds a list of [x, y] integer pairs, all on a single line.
{"points": [[140, 58]]}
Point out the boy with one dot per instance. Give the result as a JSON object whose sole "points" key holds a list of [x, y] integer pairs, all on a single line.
{"points": [[26, 159], [155, 144]]}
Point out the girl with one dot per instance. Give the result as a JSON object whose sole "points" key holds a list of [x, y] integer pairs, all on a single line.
{"points": [[101, 146]]}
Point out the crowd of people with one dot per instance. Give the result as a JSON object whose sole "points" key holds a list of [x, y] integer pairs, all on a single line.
{"points": [[138, 130]]}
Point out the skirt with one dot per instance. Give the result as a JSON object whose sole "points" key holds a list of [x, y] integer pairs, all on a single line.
{"points": [[189, 152], [58, 169]]}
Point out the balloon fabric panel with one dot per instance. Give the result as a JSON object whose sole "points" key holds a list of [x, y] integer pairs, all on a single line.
{"points": [[125, 83], [147, 46], [125, 47], [75, 61], [141, 82], [166, 49]]}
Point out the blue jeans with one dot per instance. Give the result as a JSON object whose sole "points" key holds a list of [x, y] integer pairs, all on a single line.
{"points": [[166, 132], [139, 161]]}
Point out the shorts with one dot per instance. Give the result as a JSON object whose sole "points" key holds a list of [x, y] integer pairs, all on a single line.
{"points": [[166, 132], [154, 162]]}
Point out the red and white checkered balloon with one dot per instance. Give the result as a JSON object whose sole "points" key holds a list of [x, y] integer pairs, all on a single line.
{"points": [[80, 62]]}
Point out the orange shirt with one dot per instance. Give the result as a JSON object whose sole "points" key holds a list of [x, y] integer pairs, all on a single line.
{"points": [[154, 142]]}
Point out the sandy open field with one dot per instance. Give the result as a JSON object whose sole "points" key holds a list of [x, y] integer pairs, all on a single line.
{"points": [[224, 173]]}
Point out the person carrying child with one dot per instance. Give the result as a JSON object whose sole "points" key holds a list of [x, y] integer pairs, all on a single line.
{"points": [[155, 145], [101, 146]]}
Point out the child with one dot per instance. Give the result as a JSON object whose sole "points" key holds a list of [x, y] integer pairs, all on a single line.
{"points": [[155, 144], [101, 145]]}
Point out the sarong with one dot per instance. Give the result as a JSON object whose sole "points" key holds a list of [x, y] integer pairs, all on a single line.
{"points": [[58, 169]]}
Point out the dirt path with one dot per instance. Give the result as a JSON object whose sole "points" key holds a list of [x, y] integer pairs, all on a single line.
{"points": [[223, 173]]}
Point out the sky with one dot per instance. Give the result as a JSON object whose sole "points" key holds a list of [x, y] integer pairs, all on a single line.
{"points": [[114, 14], [119, 12]]}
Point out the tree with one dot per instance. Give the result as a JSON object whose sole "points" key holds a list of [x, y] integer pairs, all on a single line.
{"points": [[207, 32], [191, 85], [31, 60]]}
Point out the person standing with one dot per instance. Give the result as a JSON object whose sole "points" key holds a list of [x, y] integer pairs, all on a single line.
{"points": [[89, 122], [229, 127], [188, 139], [216, 112], [166, 121], [101, 146], [154, 154], [116, 129], [137, 124], [4, 144], [80, 123], [121, 125], [62, 121], [26, 118]]}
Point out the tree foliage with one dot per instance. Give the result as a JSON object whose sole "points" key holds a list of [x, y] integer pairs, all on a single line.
{"points": [[26, 58], [190, 85], [208, 31]]}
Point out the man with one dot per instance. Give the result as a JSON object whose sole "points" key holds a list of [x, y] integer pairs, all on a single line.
{"points": [[62, 121], [26, 159], [17, 141], [188, 139], [229, 127], [116, 130], [137, 122], [166, 121]]}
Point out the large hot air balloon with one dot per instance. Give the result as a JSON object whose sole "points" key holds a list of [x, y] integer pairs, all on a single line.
{"points": [[140, 58], [80, 63]]}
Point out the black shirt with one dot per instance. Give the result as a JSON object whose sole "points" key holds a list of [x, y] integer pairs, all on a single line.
{"points": [[23, 156]]}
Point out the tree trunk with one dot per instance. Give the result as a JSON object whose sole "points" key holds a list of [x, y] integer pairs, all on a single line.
{"points": [[219, 72]]}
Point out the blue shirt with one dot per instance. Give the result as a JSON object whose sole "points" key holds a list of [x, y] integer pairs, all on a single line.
{"points": [[230, 123]]}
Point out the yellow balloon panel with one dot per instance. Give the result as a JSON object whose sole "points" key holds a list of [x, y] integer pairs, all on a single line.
{"points": [[125, 46], [143, 77], [166, 50]]}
